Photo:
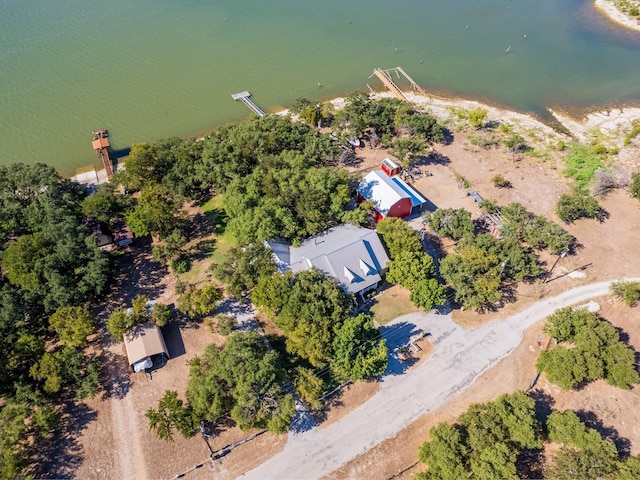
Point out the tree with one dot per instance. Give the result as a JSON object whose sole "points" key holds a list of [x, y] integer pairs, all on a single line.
{"points": [[398, 236], [452, 223], [159, 211], [160, 314], [309, 387], [630, 469], [171, 414], [199, 302], [500, 182], [583, 454], [359, 352], [627, 291], [72, 324], [474, 274], [314, 308], [105, 204], [427, 294], [444, 454], [119, 323], [242, 268], [170, 250], [415, 271], [597, 351], [573, 207]]}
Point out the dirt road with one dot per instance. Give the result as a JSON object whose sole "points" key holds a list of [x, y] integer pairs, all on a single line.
{"points": [[460, 357]]}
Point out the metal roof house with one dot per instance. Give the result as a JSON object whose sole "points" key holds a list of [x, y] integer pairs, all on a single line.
{"points": [[354, 256], [391, 196], [144, 342]]}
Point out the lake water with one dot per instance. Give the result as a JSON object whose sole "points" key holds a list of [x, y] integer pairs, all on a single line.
{"points": [[148, 69]]}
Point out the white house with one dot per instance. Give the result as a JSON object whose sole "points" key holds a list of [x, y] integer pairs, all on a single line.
{"points": [[354, 256]]}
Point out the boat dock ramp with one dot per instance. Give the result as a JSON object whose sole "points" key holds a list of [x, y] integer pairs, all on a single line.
{"points": [[245, 98]]}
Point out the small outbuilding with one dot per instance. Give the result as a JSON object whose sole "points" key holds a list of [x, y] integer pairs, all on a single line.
{"points": [[143, 344], [391, 196]]}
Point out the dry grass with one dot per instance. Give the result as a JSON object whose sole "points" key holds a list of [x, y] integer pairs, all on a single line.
{"points": [[392, 303]]}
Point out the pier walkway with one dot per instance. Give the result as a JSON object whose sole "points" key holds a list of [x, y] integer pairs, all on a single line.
{"points": [[385, 78], [245, 98], [101, 146]]}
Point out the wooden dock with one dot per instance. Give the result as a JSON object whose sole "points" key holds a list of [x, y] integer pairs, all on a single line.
{"points": [[101, 146], [245, 98], [387, 80]]}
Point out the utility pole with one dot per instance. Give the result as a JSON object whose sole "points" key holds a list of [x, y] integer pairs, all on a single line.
{"points": [[562, 255]]}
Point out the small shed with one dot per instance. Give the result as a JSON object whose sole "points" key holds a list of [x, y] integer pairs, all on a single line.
{"points": [[390, 167], [144, 343]]}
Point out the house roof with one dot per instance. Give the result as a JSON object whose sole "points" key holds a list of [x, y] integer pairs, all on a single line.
{"points": [[416, 198], [144, 341], [354, 256], [378, 187]]}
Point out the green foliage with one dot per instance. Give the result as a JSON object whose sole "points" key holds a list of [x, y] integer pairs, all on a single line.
{"points": [[573, 207], [516, 143], [243, 380], [159, 211], [398, 236], [537, 231], [286, 198], [629, 469], [445, 454], [271, 293], [635, 184], [67, 366], [584, 453], [314, 307], [451, 223], [309, 387], [474, 275], [486, 442], [226, 324], [243, 267], [500, 182], [170, 249], [72, 324], [358, 350], [477, 117], [627, 291], [597, 351], [105, 204], [171, 414], [489, 206], [406, 149], [160, 314], [119, 323], [197, 303], [582, 163]]}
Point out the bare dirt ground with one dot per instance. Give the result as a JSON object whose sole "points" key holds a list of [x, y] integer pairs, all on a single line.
{"points": [[115, 442], [608, 250]]}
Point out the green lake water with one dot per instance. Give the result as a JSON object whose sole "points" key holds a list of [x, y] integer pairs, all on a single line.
{"points": [[148, 69]]}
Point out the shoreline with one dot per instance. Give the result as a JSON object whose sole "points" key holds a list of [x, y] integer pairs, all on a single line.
{"points": [[609, 123], [609, 10]]}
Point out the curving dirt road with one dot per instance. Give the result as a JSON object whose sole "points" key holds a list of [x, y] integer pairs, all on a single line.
{"points": [[460, 356]]}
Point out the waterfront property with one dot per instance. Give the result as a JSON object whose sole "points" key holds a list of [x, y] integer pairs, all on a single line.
{"points": [[354, 256]]}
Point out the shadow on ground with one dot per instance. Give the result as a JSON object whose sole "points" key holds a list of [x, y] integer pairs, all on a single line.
{"points": [[63, 454]]}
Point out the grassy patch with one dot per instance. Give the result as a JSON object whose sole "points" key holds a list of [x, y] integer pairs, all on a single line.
{"points": [[582, 163], [392, 303]]}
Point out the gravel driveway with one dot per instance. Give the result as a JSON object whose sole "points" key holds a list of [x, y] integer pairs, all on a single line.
{"points": [[459, 357]]}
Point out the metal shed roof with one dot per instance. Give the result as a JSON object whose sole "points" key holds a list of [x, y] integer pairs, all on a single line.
{"points": [[144, 341], [378, 187]]}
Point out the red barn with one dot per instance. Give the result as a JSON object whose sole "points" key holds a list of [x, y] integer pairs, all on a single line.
{"points": [[389, 197]]}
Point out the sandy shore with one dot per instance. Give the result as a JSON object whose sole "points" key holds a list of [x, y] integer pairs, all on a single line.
{"points": [[608, 8]]}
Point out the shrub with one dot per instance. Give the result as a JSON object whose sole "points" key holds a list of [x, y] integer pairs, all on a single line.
{"points": [[572, 207], [500, 182], [477, 117], [627, 291], [635, 185]]}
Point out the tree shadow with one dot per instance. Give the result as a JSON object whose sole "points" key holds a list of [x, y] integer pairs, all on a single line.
{"points": [[434, 158], [400, 357], [136, 273], [591, 420], [114, 375], [543, 404], [199, 226], [62, 454], [530, 464], [203, 249]]}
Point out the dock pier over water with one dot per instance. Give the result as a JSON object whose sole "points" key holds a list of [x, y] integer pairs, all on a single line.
{"points": [[245, 98]]}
